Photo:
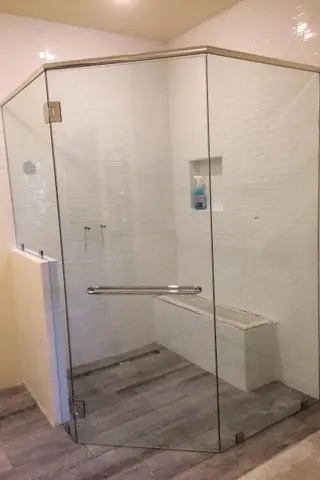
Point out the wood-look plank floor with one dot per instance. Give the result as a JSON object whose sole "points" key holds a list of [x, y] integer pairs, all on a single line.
{"points": [[161, 400], [31, 450]]}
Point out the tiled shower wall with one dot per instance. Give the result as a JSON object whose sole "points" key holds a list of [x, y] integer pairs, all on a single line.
{"points": [[114, 176], [21, 41], [262, 27], [113, 163], [123, 157], [189, 141], [32, 176], [264, 125], [31, 170]]}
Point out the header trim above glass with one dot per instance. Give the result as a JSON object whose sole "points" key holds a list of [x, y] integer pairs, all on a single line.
{"points": [[161, 54]]}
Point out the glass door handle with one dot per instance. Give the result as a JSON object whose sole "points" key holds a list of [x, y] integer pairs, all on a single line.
{"points": [[145, 290]]}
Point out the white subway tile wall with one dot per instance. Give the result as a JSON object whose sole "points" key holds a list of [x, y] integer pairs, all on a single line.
{"points": [[189, 142], [113, 161], [123, 156], [31, 169], [264, 125], [264, 27], [21, 41]]}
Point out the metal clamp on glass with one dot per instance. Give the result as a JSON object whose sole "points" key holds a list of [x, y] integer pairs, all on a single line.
{"points": [[144, 290]]}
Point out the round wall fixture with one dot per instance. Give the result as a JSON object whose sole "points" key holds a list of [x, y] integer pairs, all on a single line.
{"points": [[29, 168]]}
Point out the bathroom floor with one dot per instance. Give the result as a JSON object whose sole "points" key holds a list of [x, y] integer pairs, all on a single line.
{"points": [[31, 449], [155, 398]]}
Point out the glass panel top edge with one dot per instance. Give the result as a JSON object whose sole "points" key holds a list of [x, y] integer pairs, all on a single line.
{"points": [[157, 55], [164, 54], [23, 85]]}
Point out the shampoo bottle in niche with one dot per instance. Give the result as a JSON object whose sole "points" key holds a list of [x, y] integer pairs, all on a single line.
{"points": [[199, 194]]}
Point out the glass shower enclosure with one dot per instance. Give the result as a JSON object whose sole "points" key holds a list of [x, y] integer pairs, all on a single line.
{"points": [[178, 193]]}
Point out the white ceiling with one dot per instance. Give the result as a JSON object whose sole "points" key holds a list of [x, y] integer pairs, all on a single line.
{"points": [[154, 19]]}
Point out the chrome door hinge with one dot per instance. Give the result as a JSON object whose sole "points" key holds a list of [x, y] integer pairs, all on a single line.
{"points": [[77, 408], [52, 112]]}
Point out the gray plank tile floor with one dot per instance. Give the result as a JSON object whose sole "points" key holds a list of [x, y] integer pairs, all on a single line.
{"points": [[155, 398], [31, 450], [14, 399]]}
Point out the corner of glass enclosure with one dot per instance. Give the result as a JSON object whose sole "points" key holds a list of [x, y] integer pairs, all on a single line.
{"points": [[164, 175]]}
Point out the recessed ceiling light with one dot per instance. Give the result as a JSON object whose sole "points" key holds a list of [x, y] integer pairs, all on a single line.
{"points": [[308, 35], [128, 3], [302, 27], [45, 55]]}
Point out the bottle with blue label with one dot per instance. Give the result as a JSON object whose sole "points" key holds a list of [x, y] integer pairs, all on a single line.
{"points": [[199, 201]]}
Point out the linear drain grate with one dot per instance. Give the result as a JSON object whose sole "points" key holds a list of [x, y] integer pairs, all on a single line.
{"points": [[121, 362]]}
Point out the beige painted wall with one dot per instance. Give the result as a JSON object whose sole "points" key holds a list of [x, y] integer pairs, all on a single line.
{"points": [[40, 339], [9, 362], [9, 365], [262, 27]]}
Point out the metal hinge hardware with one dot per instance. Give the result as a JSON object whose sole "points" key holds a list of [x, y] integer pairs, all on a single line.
{"points": [[77, 408], [52, 112]]}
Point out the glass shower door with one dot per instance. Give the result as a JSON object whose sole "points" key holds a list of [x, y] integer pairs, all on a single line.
{"points": [[143, 358], [264, 131]]}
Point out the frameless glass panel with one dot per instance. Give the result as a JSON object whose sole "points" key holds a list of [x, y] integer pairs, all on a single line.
{"points": [[264, 135], [30, 166], [132, 141]]}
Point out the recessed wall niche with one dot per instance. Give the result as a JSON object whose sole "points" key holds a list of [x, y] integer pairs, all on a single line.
{"points": [[201, 168]]}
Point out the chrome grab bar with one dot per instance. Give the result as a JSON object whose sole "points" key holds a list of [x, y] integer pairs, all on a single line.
{"points": [[145, 290]]}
